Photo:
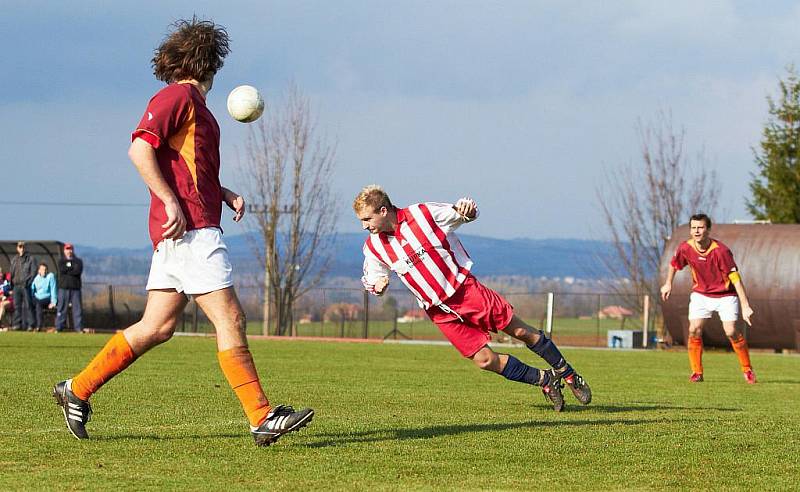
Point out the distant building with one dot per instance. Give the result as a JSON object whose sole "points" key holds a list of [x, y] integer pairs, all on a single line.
{"points": [[614, 312], [412, 315], [343, 312]]}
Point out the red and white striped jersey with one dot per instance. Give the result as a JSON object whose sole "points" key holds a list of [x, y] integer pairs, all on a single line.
{"points": [[423, 251]]}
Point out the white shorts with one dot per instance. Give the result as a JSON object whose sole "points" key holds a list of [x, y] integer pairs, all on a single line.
{"points": [[197, 263], [701, 307]]}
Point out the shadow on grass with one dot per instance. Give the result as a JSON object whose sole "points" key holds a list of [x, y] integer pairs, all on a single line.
{"points": [[166, 437], [452, 430], [644, 408]]}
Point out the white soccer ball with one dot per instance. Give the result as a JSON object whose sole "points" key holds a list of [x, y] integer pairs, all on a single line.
{"points": [[245, 104]]}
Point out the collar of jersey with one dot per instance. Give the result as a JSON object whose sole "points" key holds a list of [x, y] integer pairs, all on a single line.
{"points": [[711, 247]]}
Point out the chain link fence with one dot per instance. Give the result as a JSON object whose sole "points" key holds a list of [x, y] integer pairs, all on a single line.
{"points": [[578, 319]]}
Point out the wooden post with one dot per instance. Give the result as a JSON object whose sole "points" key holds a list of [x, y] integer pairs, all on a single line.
{"points": [[366, 314], [645, 320]]}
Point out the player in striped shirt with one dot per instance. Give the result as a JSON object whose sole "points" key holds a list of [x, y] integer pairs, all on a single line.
{"points": [[418, 243], [717, 286]]}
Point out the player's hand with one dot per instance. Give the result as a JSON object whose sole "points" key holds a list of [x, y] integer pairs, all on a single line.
{"points": [[235, 202], [466, 207], [666, 289], [747, 312], [51, 306], [175, 226], [381, 284]]}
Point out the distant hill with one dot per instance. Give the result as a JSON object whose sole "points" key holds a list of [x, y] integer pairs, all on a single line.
{"points": [[493, 257]]}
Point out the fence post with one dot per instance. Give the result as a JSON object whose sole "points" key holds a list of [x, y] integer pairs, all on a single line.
{"points": [[550, 302], [194, 316], [645, 320], [366, 314]]}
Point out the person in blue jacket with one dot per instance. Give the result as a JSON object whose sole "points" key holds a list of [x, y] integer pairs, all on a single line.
{"points": [[44, 293]]}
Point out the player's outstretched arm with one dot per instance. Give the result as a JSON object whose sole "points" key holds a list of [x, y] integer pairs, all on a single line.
{"points": [[747, 311], [666, 289], [235, 202], [143, 157]]}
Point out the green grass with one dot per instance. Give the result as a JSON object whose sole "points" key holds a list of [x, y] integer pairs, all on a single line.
{"points": [[397, 417]]}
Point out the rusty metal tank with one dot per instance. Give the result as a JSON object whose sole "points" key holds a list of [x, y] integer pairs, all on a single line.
{"points": [[768, 256]]}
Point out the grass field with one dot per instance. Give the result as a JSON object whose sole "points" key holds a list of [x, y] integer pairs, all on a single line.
{"points": [[398, 417]]}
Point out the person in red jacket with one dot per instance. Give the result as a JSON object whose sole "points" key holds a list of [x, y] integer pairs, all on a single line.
{"points": [[717, 286]]}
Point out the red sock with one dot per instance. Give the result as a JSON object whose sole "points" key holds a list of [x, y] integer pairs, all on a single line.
{"points": [[739, 345], [240, 371], [695, 348], [110, 361]]}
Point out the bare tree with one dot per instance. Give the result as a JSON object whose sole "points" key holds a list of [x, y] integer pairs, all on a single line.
{"points": [[643, 203], [286, 175]]}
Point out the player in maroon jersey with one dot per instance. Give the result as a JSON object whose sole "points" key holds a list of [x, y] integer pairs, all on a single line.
{"points": [[419, 244], [175, 148], [717, 286]]}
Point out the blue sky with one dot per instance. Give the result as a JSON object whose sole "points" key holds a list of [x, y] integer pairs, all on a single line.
{"points": [[521, 105]]}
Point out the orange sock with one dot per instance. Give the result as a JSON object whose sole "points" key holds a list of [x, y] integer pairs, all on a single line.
{"points": [[695, 348], [110, 361], [739, 345], [240, 371]]}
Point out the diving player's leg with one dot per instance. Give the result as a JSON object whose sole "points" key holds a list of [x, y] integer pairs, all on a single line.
{"points": [[545, 348]]}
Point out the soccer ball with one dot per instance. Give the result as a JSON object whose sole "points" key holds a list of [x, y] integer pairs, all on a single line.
{"points": [[245, 104]]}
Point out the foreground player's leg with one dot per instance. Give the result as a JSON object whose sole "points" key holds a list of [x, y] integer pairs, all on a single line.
{"points": [[513, 369], [542, 346], [267, 423], [694, 347], [157, 326], [739, 345]]}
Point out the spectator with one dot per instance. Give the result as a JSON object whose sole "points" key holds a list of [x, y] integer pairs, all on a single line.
{"points": [[70, 268], [44, 293], [23, 269], [6, 301]]}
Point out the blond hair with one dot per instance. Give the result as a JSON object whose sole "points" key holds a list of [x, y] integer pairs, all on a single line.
{"points": [[371, 196]]}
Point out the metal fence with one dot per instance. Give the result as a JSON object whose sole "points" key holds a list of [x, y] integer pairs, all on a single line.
{"points": [[579, 319]]}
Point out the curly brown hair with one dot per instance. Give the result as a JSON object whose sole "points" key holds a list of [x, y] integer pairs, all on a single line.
{"points": [[194, 49]]}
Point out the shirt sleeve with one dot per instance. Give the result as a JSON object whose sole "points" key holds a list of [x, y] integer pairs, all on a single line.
{"points": [[679, 260], [446, 217], [374, 269], [726, 263], [166, 114]]}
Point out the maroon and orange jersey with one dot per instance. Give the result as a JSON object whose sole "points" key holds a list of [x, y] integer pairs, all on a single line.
{"points": [[712, 270], [185, 136]]}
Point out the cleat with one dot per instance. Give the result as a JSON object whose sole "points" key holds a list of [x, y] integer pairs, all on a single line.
{"points": [[579, 387], [696, 377], [281, 420], [552, 391], [76, 411], [750, 376]]}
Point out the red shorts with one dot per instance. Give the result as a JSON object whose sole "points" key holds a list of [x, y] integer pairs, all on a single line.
{"points": [[482, 309]]}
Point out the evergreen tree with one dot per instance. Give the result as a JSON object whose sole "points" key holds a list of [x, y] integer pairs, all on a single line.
{"points": [[775, 187]]}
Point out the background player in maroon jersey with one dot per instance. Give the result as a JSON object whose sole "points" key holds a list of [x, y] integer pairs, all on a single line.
{"points": [[717, 287], [175, 148], [418, 243]]}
